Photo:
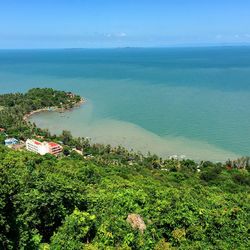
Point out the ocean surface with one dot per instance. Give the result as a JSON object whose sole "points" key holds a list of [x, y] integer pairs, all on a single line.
{"points": [[172, 101]]}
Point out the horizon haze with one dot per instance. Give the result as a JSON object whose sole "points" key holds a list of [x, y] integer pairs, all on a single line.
{"points": [[110, 24]]}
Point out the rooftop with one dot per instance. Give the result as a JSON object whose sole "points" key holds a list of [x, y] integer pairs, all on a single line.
{"points": [[37, 142], [53, 144], [11, 140]]}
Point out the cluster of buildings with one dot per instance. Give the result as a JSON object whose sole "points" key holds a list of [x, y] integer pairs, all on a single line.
{"points": [[35, 146], [43, 148]]}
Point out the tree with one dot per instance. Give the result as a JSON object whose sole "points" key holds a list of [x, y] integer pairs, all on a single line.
{"points": [[66, 137], [77, 229]]}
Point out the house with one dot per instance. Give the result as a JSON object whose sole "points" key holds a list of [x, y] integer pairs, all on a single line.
{"points": [[43, 148], [10, 141], [54, 148], [36, 146]]}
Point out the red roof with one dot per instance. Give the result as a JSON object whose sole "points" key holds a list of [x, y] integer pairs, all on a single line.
{"points": [[53, 144], [37, 142]]}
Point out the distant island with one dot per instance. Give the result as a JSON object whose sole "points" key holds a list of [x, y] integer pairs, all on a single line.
{"points": [[74, 194]]}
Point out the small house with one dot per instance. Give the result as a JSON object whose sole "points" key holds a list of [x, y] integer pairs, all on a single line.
{"points": [[10, 141]]}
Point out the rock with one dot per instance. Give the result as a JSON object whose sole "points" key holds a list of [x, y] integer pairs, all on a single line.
{"points": [[136, 221]]}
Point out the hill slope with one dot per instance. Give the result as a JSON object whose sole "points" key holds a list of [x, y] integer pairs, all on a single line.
{"points": [[72, 203]]}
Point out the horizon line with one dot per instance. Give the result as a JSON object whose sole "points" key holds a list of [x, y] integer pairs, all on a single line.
{"points": [[136, 47]]}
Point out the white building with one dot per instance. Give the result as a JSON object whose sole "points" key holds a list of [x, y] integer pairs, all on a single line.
{"points": [[54, 148], [43, 148]]}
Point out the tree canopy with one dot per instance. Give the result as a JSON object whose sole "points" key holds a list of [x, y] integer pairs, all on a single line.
{"points": [[72, 203]]}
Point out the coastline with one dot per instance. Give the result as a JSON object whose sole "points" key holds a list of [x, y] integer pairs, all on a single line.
{"points": [[139, 139], [133, 137], [52, 109]]}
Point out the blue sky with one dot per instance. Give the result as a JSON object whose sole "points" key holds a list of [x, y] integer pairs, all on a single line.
{"points": [[119, 23]]}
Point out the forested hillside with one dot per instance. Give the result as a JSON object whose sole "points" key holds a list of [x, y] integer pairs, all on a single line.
{"points": [[14, 106], [97, 197], [72, 203]]}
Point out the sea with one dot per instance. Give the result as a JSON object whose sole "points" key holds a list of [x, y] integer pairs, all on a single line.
{"points": [[185, 102]]}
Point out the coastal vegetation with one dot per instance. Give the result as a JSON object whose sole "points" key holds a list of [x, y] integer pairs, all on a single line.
{"points": [[95, 196], [17, 105]]}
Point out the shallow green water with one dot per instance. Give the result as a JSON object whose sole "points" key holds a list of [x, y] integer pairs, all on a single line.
{"points": [[191, 101]]}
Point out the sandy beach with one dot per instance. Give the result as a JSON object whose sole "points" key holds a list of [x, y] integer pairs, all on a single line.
{"points": [[50, 109]]}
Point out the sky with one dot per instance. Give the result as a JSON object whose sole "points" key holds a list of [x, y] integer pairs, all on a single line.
{"points": [[123, 23]]}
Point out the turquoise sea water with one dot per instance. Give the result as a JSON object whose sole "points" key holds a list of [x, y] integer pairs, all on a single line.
{"points": [[190, 101]]}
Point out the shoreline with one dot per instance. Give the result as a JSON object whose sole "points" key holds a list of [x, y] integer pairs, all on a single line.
{"points": [[52, 109], [133, 137], [172, 154]]}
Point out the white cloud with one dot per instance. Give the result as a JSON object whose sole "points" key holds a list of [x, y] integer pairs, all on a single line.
{"points": [[115, 35], [122, 34]]}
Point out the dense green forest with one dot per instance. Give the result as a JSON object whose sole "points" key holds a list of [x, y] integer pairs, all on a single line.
{"points": [[112, 198], [15, 105], [72, 203]]}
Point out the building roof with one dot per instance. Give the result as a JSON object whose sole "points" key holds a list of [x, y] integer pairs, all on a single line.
{"points": [[53, 144], [37, 142], [11, 140]]}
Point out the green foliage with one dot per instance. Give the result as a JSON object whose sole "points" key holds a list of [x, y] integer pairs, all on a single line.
{"points": [[241, 178], [163, 245], [82, 200], [210, 171], [17, 105], [39, 196], [77, 229], [2, 138]]}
